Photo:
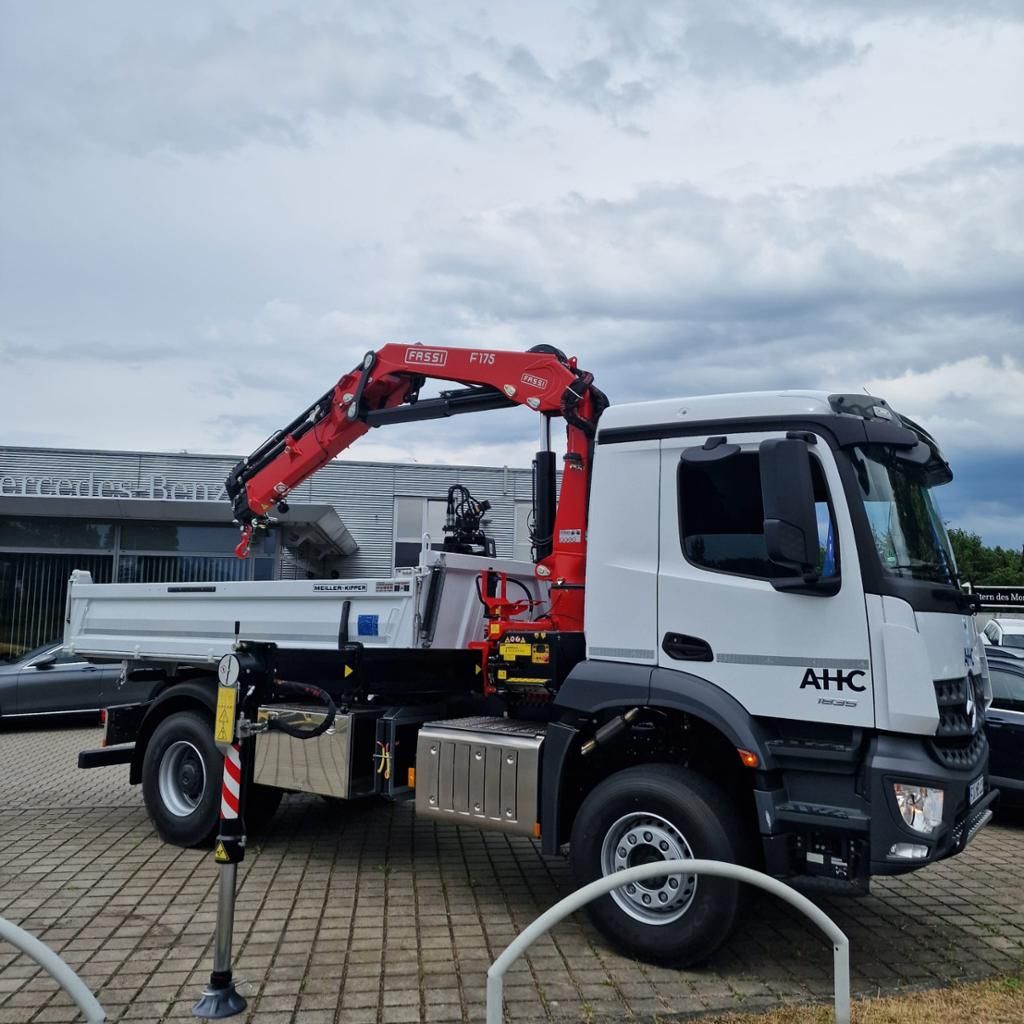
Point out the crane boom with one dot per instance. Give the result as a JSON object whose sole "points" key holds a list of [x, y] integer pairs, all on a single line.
{"points": [[384, 388]]}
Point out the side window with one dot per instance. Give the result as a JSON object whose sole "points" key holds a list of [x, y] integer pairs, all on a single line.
{"points": [[524, 519], [1007, 688], [413, 518], [721, 518]]}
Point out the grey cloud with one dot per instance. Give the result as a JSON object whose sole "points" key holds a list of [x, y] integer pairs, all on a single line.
{"points": [[591, 83], [720, 49], [769, 288], [221, 85], [226, 77], [946, 11], [719, 42]]}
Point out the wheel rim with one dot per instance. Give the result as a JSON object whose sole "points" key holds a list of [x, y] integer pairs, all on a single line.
{"points": [[182, 778], [645, 838]]}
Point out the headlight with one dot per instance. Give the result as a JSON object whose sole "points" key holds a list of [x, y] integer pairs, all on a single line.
{"points": [[921, 806]]}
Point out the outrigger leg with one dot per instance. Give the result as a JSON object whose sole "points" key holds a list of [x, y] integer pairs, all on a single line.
{"points": [[220, 998]]}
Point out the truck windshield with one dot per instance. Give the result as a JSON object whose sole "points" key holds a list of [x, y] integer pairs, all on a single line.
{"points": [[908, 532]]}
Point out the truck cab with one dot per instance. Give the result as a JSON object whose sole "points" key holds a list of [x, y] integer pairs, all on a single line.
{"points": [[857, 683]]}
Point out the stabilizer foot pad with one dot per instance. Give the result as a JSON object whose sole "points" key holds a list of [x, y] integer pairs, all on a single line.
{"points": [[216, 1003]]}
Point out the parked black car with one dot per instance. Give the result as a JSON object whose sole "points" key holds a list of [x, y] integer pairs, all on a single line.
{"points": [[48, 681], [1005, 728]]}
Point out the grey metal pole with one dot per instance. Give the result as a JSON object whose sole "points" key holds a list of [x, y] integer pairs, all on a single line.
{"points": [[220, 998], [841, 973], [601, 886], [56, 968], [225, 918]]}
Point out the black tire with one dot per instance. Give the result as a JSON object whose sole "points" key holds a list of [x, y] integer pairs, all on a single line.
{"points": [[198, 782], [655, 807], [181, 779]]}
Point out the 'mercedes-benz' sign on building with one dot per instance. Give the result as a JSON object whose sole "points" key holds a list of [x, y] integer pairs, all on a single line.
{"points": [[152, 487], [996, 598]]}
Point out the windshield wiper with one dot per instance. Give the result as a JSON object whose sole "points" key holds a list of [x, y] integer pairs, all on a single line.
{"points": [[936, 573]]}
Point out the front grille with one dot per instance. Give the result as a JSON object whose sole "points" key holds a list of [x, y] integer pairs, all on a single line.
{"points": [[959, 740]]}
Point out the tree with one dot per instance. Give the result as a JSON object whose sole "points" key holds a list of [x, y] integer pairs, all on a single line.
{"points": [[983, 565]]}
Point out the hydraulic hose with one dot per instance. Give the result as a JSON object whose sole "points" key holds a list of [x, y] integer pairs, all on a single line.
{"points": [[304, 690]]}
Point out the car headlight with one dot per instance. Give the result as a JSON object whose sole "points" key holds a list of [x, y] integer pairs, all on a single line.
{"points": [[921, 806]]}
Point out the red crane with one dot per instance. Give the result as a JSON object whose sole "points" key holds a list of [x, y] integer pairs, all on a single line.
{"points": [[385, 388]]}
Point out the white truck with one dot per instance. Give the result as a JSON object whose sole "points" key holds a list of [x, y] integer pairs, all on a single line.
{"points": [[743, 638]]}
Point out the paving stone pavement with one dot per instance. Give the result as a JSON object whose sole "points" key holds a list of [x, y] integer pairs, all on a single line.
{"points": [[361, 914]]}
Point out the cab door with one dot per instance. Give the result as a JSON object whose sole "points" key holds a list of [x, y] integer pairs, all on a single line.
{"points": [[723, 611]]}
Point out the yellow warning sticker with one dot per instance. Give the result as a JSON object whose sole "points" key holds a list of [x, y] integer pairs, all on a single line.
{"points": [[348, 671], [220, 855], [224, 728], [509, 651]]}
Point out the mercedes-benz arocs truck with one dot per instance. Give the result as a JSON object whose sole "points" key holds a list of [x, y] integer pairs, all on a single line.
{"points": [[742, 638]]}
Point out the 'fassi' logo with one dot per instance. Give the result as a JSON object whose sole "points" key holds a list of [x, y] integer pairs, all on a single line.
{"points": [[535, 382], [426, 356], [833, 679]]}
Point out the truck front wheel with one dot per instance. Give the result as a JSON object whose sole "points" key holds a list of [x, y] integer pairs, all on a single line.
{"points": [[651, 813]]}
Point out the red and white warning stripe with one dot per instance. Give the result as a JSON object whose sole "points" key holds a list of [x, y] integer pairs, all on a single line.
{"points": [[232, 783]]}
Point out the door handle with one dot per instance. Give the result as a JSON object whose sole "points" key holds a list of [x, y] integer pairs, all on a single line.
{"points": [[686, 648]]}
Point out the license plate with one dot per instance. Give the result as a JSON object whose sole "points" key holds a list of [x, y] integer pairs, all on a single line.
{"points": [[976, 790]]}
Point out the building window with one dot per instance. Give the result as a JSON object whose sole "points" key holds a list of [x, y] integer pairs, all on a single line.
{"points": [[413, 518], [523, 549], [32, 593], [721, 518], [37, 556], [174, 537], [201, 553], [48, 534]]}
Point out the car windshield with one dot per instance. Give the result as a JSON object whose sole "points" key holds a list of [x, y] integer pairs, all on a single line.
{"points": [[29, 655], [908, 532]]}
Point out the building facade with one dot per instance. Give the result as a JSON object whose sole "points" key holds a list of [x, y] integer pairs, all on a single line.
{"points": [[145, 517]]}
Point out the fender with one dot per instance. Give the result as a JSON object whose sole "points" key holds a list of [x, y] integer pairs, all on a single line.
{"points": [[594, 686], [185, 693]]}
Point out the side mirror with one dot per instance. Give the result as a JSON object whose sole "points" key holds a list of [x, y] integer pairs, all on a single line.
{"points": [[46, 662], [787, 491]]}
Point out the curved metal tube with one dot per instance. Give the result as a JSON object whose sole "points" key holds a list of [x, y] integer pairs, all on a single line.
{"points": [[720, 869], [56, 968]]}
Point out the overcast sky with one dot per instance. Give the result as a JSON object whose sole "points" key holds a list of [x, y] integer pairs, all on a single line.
{"points": [[209, 211]]}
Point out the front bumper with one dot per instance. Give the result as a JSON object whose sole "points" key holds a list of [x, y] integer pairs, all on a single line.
{"points": [[834, 818], [903, 759]]}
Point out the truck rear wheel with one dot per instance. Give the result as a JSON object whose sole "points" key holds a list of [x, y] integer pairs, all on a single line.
{"points": [[650, 813], [182, 771]]}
